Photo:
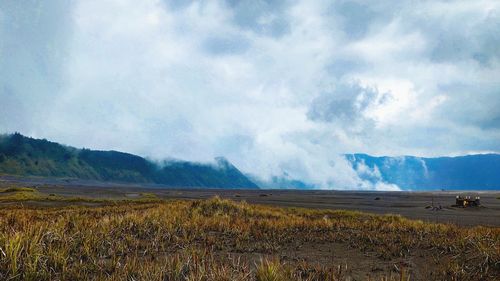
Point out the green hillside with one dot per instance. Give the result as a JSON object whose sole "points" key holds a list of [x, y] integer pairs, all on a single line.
{"points": [[24, 156]]}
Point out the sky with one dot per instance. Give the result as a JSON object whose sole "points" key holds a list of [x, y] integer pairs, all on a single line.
{"points": [[277, 87]]}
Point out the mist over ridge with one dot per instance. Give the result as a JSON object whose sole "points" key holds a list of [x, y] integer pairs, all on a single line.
{"points": [[24, 156], [282, 89]]}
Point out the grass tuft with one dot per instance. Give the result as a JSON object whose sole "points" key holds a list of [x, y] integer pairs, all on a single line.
{"points": [[269, 271]]}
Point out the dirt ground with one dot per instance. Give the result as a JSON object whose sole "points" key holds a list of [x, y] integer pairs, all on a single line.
{"points": [[414, 205], [358, 264]]}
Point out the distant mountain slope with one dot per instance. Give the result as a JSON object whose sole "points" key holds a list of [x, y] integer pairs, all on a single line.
{"points": [[20, 155], [480, 172], [282, 182]]}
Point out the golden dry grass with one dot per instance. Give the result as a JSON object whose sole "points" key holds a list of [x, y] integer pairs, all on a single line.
{"points": [[190, 240], [20, 194]]}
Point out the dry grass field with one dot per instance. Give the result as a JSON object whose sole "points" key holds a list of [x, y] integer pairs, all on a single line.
{"points": [[147, 238]]}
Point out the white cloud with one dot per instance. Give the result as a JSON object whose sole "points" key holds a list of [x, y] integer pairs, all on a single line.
{"points": [[202, 79]]}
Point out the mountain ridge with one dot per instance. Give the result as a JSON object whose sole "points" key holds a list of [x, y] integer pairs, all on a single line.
{"points": [[25, 156], [478, 171]]}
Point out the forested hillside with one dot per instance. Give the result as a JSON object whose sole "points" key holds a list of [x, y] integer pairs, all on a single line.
{"points": [[20, 155]]}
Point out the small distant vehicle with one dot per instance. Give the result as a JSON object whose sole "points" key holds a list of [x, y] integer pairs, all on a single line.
{"points": [[467, 201]]}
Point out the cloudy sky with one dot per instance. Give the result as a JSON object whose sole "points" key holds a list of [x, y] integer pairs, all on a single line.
{"points": [[274, 86]]}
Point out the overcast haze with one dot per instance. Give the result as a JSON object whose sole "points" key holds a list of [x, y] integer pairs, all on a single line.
{"points": [[274, 86]]}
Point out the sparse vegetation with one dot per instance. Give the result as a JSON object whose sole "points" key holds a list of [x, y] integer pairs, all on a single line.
{"points": [[19, 194], [223, 240], [17, 189], [148, 195]]}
